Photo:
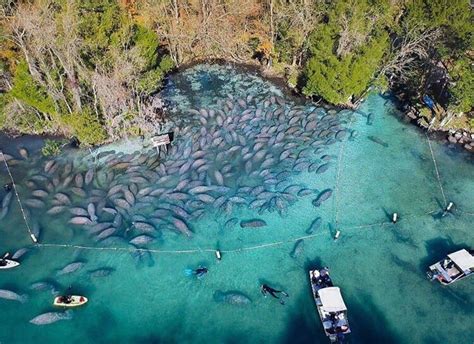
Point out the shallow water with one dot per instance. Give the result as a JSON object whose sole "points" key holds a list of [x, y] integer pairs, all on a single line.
{"points": [[379, 266]]}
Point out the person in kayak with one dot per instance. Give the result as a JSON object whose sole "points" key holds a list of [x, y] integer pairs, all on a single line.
{"points": [[200, 272], [264, 288]]}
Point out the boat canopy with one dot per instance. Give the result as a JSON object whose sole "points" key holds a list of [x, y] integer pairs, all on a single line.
{"points": [[331, 299], [463, 260]]}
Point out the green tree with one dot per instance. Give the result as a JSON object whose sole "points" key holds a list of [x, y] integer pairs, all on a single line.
{"points": [[346, 49]]}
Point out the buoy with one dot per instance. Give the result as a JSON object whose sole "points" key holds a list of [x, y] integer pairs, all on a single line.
{"points": [[336, 236], [33, 238], [394, 217], [450, 205], [218, 255]]}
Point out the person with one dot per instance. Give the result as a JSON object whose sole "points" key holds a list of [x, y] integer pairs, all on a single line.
{"points": [[3, 262], [200, 272], [8, 187], [264, 288]]}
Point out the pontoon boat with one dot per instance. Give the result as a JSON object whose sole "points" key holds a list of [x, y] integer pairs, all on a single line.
{"points": [[331, 307], [454, 267]]}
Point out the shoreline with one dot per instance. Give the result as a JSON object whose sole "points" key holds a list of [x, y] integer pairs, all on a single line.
{"points": [[409, 112]]}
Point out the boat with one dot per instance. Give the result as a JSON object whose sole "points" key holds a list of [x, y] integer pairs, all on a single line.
{"points": [[70, 301], [454, 267], [8, 263], [330, 304]]}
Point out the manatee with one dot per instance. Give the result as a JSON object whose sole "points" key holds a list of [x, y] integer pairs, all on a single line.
{"points": [[43, 286], [143, 227], [39, 193], [182, 227], [102, 272], [34, 203], [252, 223], [314, 226], [70, 268], [80, 220], [19, 253], [10, 295], [377, 140], [323, 196], [56, 210], [89, 176], [7, 199], [323, 168], [4, 212], [51, 317], [235, 298], [141, 240], [91, 211], [298, 249], [78, 211], [106, 233]]}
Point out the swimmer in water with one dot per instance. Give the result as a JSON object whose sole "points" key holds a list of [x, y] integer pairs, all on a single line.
{"points": [[267, 289], [200, 272]]}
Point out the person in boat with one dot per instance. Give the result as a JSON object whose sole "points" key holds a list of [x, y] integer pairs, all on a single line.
{"points": [[264, 288], [200, 272], [67, 299], [3, 262]]}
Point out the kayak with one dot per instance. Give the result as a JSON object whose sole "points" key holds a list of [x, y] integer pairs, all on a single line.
{"points": [[9, 264], [76, 301]]}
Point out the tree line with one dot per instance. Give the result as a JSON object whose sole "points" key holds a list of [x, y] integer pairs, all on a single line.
{"points": [[88, 67]]}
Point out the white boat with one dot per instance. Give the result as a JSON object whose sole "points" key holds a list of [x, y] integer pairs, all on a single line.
{"points": [[7, 263], [70, 301], [330, 304], [454, 267]]}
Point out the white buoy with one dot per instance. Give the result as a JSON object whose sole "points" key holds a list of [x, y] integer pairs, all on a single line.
{"points": [[394, 217], [450, 205], [33, 238], [336, 236], [218, 255]]}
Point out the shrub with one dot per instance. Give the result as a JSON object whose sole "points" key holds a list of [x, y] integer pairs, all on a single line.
{"points": [[86, 127], [51, 147]]}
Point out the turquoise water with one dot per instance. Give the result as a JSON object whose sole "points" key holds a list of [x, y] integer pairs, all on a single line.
{"points": [[379, 266]]}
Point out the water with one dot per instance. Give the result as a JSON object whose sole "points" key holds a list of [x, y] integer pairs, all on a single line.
{"points": [[379, 266]]}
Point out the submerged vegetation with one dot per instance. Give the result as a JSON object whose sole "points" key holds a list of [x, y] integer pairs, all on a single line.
{"points": [[88, 68]]}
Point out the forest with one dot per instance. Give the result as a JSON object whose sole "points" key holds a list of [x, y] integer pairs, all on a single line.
{"points": [[89, 68]]}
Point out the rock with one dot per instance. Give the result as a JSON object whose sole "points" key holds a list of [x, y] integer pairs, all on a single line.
{"points": [[452, 139], [457, 135], [411, 115]]}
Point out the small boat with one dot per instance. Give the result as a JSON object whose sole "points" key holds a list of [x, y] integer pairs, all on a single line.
{"points": [[330, 304], [454, 267], [70, 301], [8, 263]]}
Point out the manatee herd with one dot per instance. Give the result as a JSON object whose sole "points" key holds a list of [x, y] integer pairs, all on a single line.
{"points": [[241, 153]]}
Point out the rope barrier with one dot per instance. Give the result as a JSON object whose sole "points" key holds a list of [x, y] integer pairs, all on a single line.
{"points": [[338, 175], [437, 171], [212, 250], [18, 199]]}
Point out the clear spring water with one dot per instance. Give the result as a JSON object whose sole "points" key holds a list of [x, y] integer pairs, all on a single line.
{"points": [[379, 266]]}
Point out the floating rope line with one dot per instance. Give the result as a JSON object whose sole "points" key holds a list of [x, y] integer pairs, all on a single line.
{"points": [[212, 250], [437, 171], [338, 175], [32, 236]]}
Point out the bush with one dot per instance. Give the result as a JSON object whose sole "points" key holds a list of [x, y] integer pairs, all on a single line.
{"points": [[51, 147], [86, 127]]}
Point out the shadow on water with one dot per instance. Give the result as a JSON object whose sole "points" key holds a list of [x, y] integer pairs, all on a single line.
{"points": [[368, 323], [303, 325]]}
